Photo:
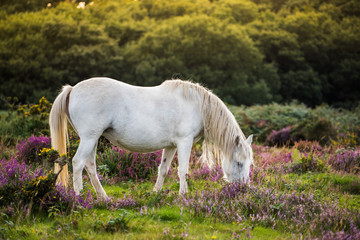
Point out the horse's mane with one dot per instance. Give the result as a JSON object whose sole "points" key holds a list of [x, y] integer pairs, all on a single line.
{"points": [[221, 129]]}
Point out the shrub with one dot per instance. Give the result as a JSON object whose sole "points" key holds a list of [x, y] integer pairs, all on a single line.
{"points": [[308, 146], [129, 166], [28, 150], [280, 137], [265, 156], [315, 129], [37, 189], [348, 139], [13, 176], [22, 121], [305, 163], [21, 184], [345, 160], [15, 172], [312, 129]]}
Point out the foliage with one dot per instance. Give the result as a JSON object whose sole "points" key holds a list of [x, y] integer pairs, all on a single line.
{"points": [[346, 139], [304, 163], [13, 176], [114, 223], [129, 166], [252, 51], [30, 149], [280, 124], [22, 121], [15, 172], [279, 137], [345, 160]]}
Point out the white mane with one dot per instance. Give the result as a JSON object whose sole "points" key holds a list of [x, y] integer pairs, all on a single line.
{"points": [[221, 129]]}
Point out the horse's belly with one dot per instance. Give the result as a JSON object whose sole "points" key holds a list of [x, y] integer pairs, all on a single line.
{"points": [[141, 143]]}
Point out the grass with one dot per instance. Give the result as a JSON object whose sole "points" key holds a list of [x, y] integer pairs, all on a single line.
{"points": [[165, 216], [169, 221], [166, 222], [161, 216]]}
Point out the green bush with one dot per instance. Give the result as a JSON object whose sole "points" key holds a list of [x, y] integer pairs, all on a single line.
{"points": [[303, 163], [23, 121], [321, 124]]}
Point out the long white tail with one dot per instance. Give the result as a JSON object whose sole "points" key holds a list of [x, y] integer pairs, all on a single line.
{"points": [[58, 130]]}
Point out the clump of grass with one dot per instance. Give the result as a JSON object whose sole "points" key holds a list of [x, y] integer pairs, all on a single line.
{"points": [[114, 223]]}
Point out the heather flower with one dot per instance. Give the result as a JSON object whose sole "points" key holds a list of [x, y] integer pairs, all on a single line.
{"points": [[128, 166], [28, 150], [299, 212], [345, 161], [268, 157], [68, 199], [16, 172], [280, 137], [214, 174]]}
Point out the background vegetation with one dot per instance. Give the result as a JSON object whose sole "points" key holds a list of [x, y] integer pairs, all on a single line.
{"points": [[249, 51]]}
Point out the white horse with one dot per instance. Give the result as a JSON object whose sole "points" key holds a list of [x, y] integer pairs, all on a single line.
{"points": [[171, 116]]}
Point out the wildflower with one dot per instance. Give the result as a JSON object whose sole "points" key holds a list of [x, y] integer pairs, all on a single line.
{"points": [[213, 237]]}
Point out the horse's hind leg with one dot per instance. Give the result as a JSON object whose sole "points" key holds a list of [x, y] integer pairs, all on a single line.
{"points": [[90, 167], [84, 152], [167, 157]]}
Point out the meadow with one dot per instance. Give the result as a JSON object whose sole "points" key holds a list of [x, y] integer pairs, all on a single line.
{"points": [[304, 184]]}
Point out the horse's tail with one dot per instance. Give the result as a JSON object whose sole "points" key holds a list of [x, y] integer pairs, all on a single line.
{"points": [[58, 130]]}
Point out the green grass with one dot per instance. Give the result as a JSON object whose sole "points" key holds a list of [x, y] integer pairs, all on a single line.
{"points": [[166, 220], [152, 225]]}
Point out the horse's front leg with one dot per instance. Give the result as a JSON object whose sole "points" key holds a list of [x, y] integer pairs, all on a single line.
{"points": [[184, 150], [166, 159]]}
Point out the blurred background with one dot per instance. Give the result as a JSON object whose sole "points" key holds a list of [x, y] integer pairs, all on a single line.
{"points": [[247, 51]]}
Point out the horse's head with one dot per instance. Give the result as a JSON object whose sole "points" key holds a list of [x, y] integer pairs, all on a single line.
{"points": [[238, 166]]}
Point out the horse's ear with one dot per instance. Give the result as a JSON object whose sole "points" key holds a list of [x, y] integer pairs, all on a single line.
{"points": [[249, 139], [237, 140]]}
